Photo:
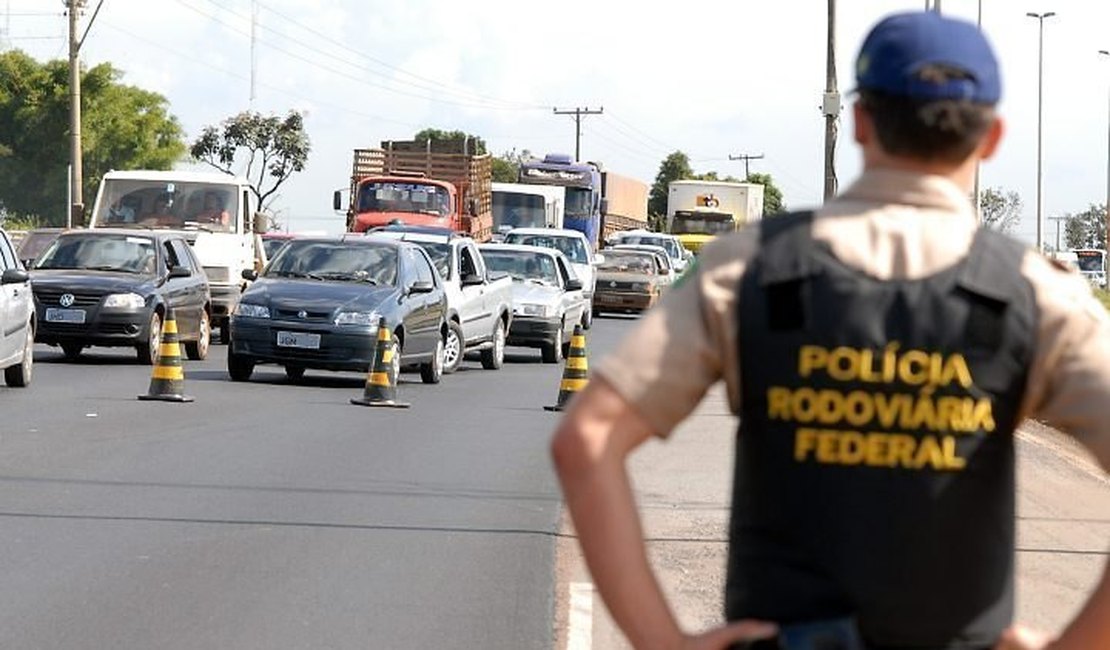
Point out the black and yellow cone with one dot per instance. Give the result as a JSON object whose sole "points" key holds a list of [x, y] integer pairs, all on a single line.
{"points": [[575, 371], [381, 381], [167, 381]]}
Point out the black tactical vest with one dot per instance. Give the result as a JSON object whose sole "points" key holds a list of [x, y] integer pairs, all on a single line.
{"points": [[875, 462]]}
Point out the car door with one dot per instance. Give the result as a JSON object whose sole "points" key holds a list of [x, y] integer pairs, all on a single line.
{"points": [[13, 304], [574, 302], [416, 310], [475, 310], [192, 287], [175, 291]]}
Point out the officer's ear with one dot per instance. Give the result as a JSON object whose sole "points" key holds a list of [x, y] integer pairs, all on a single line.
{"points": [[989, 144], [863, 130]]}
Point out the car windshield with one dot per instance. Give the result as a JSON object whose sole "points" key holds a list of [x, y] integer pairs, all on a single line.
{"points": [[666, 244], [1089, 262], [696, 224], [168, 204], [617, 261], [523, 266], [35, 242], [404, 197], [573, 247], [122, 253], [336, 261], [518, 210], [579, 202], [272, 246], [440, 254]]}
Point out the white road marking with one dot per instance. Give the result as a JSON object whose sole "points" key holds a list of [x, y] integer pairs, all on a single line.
{"points": [[581, 619]]}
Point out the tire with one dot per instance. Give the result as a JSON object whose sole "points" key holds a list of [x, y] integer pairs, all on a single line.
{"points": [[225, 331], [147, 353], [453, 348], [494, 356], [239, 368], [432, 371], [552, 351], [198, 350], [19, 375], [294, 373], [72, 350]]}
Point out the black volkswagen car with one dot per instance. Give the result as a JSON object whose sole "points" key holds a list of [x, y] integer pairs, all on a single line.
{"points": [[111, 288], [319, 302]]}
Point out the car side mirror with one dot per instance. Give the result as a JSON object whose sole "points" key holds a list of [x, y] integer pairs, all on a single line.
{"points": [[604, 206], [598, 259], [14, 276], [249, 275], [421, 286], [260, 223], [180, 272], [574, 285], [337, 200], [472, 280]]}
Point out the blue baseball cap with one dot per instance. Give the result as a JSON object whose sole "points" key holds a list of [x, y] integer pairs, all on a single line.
{"points": [[900, 46]]}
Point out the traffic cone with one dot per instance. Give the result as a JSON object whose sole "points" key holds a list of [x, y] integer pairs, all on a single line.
{"points": [[167, 381], [575, 371], [381, 381]]}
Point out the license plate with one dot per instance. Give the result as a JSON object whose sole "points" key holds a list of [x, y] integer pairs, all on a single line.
{"points": [[55, 315], [605, 298], [298, 340]]}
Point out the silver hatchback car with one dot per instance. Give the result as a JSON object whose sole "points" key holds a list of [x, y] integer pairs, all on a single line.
{"points": [[17, 317]]}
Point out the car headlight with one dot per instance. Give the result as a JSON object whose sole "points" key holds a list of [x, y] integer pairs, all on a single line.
{"points": [[130, 301], [359, 318], [251, 310], [543, 311]]}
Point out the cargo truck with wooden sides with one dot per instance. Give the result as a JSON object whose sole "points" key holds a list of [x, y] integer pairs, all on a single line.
{"points": [[437, 184]]}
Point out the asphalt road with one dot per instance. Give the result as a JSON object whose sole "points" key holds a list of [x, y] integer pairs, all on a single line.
{"points": [[277, 515]]}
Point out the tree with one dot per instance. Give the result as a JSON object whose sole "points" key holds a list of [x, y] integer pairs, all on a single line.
{"points": [[772, 195], [675, 167], [1000, 210], [457, 139], [123, 127], [1087, 229], [269, 149], [506, 167]]}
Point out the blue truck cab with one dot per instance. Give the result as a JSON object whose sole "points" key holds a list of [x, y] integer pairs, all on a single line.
{"points": [[582, 180]]}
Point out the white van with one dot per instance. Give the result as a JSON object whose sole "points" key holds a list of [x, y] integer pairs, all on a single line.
{"points": [[216, 212]]}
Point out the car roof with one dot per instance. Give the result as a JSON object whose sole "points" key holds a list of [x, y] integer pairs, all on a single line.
{"points": [[446, 233], [179, 176], [554, 232], [122, 232], [641, 247], [521, 248]]}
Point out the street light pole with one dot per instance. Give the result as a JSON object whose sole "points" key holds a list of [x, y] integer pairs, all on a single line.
{"points": [[1106, 53], [1040, 124]]}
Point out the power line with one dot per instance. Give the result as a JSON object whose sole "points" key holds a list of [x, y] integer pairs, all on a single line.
{"points": [[578, 112], [747, 158]]}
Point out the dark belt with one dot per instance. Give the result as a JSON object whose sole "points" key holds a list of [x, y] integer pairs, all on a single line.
{"points": [[832, 634]]}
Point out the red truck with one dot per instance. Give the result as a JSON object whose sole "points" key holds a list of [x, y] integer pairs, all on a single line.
{"points": [[438, 184]]}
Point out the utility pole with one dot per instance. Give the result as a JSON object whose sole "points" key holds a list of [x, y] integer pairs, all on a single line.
{"points": [[77, 205], [254, 51], [747, 159], [578, 113], [831, 106]]}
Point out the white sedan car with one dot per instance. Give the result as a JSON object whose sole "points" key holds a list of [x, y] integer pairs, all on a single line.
{"points": [[574, 245], [17, 317]]}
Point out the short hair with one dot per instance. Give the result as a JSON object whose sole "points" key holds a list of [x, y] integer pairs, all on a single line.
{"points": [[934, 130]]}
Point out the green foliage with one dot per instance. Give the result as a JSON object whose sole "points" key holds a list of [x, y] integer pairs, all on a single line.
{"points": [[675, 167], [1103, 297], [269, 148], [1000, 210], [713, 176], [123, 127], [772, 195], [475, 145], [1086, 229], [13, 222], [506, 167]]}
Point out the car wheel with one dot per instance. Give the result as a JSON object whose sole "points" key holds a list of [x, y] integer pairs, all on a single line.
{"points": [[225, 331], [19, 375], [432, 371], [494, 356], [72, 350], [148, 352], [238, 367], [552, 351], [198, 350], [453, 348], [294, 373]]}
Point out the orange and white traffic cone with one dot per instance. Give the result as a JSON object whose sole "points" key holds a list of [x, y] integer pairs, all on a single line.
{"points": [[381, 381], [167, 381], [574, 373]]}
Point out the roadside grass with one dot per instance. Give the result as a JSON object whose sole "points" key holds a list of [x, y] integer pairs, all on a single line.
{"points": [[1103, 297]]}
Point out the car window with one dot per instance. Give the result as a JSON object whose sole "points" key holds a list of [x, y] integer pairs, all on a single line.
{"points": [[181, 252], [8, 259], [421, 267], [565, 275], [467, 265], [171, 255]]}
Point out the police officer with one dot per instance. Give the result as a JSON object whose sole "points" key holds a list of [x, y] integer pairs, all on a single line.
{"points": [[880, 353]]}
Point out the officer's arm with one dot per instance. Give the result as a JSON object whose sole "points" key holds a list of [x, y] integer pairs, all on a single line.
{"points": [[590, 448]]}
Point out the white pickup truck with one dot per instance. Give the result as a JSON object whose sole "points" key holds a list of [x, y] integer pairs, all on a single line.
{"points": [[216, 212], [479, 308]]}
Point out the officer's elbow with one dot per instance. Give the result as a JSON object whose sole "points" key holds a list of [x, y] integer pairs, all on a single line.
{"points": [[596, 432]]}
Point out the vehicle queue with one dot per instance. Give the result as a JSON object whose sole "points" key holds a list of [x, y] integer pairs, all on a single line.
{"points": [[318, 302]]}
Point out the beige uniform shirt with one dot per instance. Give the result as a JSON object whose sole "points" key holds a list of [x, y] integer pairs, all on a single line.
{"points": [[889, 224]]}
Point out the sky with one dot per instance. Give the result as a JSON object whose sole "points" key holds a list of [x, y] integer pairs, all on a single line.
{"points": [[709, 78]]}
